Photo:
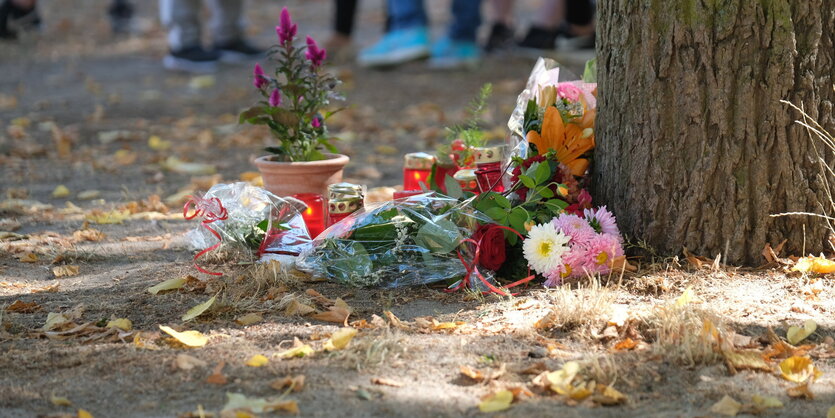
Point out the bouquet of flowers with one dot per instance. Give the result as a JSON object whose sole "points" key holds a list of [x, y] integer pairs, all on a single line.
{"points": [[416, 240]]}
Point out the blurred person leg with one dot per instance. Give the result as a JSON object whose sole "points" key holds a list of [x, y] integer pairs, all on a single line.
{"points": [[121, 13], [544, 30], [339, 43], [579, 26], [23, 13], [182, 19], [501, 30], [568, 19], [407, 39], [227, 26], [459, 48]]}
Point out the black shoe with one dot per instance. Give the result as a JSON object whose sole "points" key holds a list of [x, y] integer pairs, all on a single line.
{"points": [[238, 50], [25, 18], [5, 31], [539, 38], [193, 59], [501, 37], [121, 13]]}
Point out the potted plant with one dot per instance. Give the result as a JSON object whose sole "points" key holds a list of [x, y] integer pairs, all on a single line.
{"points": [[292, 106]]}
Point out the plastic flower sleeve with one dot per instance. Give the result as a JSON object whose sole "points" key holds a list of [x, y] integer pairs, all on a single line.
{"points": [[411, 241], [252, 219]]}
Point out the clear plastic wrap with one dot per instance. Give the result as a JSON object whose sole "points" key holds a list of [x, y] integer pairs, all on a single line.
{"points": [[243, 217], [416, 240]]}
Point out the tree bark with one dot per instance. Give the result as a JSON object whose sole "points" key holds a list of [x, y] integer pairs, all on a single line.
{"points": [[694, 147]]}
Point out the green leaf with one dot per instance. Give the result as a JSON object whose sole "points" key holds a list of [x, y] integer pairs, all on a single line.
{"points": [[497, 214], [543, 173], [545, 192], [501, 200], [250, 113], [518, 217], [440, 237], [453, 189], [527, 181], [556, 205], [590, 72], [198, 310]]}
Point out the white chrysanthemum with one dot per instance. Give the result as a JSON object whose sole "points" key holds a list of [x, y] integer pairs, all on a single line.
{"points": [[545, 247]]}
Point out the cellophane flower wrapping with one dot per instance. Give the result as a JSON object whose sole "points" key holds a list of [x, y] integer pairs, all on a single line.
{"points": [[546, 72], [405, 242], [256, 221]]}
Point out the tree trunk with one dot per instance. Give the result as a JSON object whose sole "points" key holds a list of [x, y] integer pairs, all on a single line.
{"points": [[694, 147]]}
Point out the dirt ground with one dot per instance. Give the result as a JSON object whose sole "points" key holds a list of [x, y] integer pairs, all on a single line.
{"points": [[77, 108]]}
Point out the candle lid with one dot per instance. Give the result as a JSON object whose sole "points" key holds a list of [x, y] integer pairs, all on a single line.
{"points": [[344, 190], [419, 161], [349, 205], [488, 154], [467, 174]]}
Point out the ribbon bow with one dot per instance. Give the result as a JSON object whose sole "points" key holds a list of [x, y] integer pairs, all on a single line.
{"points": [[210, 210]]}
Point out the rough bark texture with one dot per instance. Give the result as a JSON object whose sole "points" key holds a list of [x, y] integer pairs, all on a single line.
{"points": [[694, 147]]}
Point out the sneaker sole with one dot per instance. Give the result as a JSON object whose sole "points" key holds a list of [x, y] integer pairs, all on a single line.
{"points": [[398, 57], [234, 57], [179, 64]]}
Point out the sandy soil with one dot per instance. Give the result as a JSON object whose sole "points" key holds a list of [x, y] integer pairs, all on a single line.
{"points": [[77, 107]]}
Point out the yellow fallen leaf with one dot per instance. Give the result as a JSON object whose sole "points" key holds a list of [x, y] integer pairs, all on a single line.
{"points": [[198, 310], [801, 391], [59, 400], [746, 360], [496, 402], [820, 265], [249, 319], [65, 271], [562, 378], [53, 320], [831, 412], [187, 362], [143, 341], [123, 324], [257, 360], [195, 169], [60, 191], [158, 144], [189, 338], [685, 298], [340, 339], [88, 234], [609, 396], [28, 258], [727, 406], [798, 369], [335, 314], [88, 195], [294, 383], [201, 82], [252, 177], [297, 308], [84, 414], [106, 218], [766, 402], [299, 351], [797, 334], [169, 284], [239, 401]]}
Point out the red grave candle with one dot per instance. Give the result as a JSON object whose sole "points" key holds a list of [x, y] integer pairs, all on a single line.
{"points": [[407, 193], [314, 215], [467, 179], [416, 170], [489, 169], [343, 200]]}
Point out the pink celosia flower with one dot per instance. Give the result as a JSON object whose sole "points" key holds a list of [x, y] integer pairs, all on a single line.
{"points": [[286, 29], [275, 98], [314, 53], [568, 91], [259, 79], [575, 227], [602, 221], [316, 123]]}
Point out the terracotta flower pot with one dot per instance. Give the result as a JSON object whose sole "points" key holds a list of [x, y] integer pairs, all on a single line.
{"points": [[289, 178]]}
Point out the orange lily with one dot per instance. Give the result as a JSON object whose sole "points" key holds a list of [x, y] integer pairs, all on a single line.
{"points": [[570, 141]]}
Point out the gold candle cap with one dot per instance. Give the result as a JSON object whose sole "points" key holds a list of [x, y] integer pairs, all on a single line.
{"points": [[350, 205], [466, 174], [488, 154], [419, 161], [343, 190]]}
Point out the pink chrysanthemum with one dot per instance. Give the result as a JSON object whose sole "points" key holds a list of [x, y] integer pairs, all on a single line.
{"points": [[573, 265], [575, 227], [601, 251], [602, 221]]}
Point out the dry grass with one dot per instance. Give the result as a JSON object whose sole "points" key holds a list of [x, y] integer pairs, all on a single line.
{"points": [[373, 350], [685, 335], [578, 310]]}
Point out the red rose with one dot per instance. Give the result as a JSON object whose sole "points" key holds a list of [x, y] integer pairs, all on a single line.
{"points": [[490, 239]]}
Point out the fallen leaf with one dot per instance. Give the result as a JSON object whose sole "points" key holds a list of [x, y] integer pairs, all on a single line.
{"points": [[123, 324], [727, 406], [625, 344], [340, 339], [107, 218], [195, 169], [217, 377], [158, 144], [28, 257], [249, 319], [88, 234], [189, 338], [202, 82], [143, 340], [438, 326], [685, 298], [298, 351], [65, 271], [199, 309], [53, 320], [297, 308], [169, 284], [473, 374], [257, 360], [335, 314], [819, 265], [798, 369], [59, 400], [88, 195], [20, 306], [561, 379], [84, 414], [766, 402], [238, 401], [495, 402], [801, 391], [386, 382], [294, 383], [187, 362], [745, 360], [60, 191], [609, 396], [797, 334], [395, 321]]}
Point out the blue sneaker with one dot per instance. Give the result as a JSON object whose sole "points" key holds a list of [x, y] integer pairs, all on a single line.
{"points": [[396, 47], [448, 54]]}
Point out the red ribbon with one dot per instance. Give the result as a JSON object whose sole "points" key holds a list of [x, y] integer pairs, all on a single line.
{"points": [[211, 210], [472, 268]]}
